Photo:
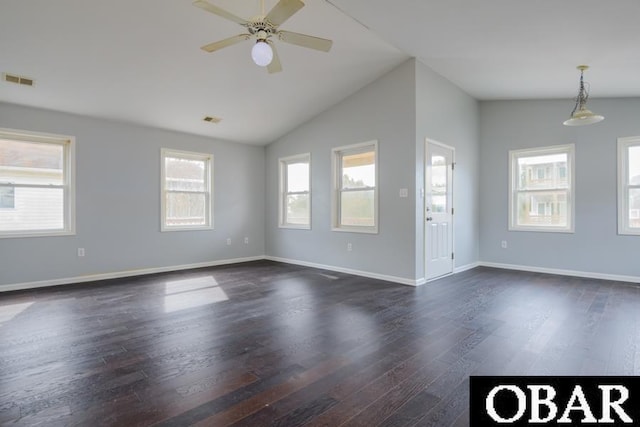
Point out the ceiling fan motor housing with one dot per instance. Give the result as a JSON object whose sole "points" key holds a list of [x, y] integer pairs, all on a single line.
{"points": [[260, 28]]}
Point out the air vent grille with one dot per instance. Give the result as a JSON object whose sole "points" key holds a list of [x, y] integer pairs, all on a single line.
{"points": [[212, 119], [21, 80]]}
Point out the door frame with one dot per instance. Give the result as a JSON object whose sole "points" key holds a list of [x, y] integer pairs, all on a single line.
{"points": [[427, 142]]}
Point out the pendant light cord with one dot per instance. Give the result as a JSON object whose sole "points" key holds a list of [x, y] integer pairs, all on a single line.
{"points": [[583, 95]]}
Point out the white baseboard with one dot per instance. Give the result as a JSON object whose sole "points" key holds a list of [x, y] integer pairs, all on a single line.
{"points": [[466, 267], [561, 272], [394, 279], [456, 270], [120, 274]]}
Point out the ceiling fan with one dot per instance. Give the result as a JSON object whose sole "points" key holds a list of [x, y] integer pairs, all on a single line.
{"points": [[264, 28]]}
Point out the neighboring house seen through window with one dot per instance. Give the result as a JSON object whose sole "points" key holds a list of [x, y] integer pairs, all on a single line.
{"points": [[36, 184], [541, 189], [629, 185], [186, 190]]}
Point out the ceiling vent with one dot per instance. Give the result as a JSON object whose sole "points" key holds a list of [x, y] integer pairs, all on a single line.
{"points": [[212, 119], [21, 80]]}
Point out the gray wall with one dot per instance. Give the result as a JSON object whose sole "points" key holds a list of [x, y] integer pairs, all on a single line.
{"points": [[448, 115], [399, 110], [595, 246], [118, 202], [385, 111]]}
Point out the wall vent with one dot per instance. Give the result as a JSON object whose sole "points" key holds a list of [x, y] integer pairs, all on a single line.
{"points": [[212, 119], [21, 80]]}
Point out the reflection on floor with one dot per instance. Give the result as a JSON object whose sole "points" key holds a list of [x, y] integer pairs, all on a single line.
{"points": [[9, 311], [192, 293]]}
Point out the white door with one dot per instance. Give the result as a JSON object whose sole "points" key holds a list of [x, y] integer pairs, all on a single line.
{"points": [[438, 210]]}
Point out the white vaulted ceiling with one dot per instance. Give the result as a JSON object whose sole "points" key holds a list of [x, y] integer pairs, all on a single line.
{"points": [[515, 49], [140, 61]]}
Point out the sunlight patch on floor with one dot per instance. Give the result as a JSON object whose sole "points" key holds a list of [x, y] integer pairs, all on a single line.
{"points": [[191, 293], [8, 312]]}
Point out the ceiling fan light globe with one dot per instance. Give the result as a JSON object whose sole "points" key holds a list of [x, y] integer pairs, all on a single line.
{"points": [[262, 54]]}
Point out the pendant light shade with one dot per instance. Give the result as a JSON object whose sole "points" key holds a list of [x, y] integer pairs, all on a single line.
{"points": [[580, 114], [583, 117]]}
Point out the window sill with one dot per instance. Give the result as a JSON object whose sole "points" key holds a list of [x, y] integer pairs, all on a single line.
{"points": [[363, 230], [628, 232], [23, 234], [543, 230], [295, 227], [170, 229]]}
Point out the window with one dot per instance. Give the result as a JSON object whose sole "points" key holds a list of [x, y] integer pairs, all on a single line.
{"points": [[36, 184], [629, 185], [540, 189], [7, 197], [295, 192], [186, 190], [355, 188]]}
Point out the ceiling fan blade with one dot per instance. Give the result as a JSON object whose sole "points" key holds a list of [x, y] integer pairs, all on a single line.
{"points": [[275, 66], [305, 41], [202, 4], [212, 47], [283, 11]]}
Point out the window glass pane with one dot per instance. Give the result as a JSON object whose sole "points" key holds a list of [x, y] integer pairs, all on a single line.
{"points": [[297, 177], [634, 165], [540, 172], [562, 172], [634, 208], [439, 204], [7, 198], [24, 162], [185, 174], [297, 209], [547, 209], [357, 208], [33, 209], [185, 209], [358, 170], [438, 184]]}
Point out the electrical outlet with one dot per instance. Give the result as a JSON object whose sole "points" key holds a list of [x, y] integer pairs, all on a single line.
{"points": [[404, 192], [80, 252], [504, 244], [349, 247], [229, 241], [246, 240]]}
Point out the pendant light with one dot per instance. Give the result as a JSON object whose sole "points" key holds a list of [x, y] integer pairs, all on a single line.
{"points": [[580, 115]]}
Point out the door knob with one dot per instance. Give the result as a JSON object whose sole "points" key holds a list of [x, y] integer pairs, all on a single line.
{"points": [[429, 218]]}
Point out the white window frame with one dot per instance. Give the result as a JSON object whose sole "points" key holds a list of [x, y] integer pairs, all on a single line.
{"points": [[623, 186], [189, 155], [283, 193], [68, 186], [514, 155], [337, 154]]}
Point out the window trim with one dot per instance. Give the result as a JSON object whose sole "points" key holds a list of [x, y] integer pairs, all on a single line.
{"points": [[208, 159], [283, 162], [624, 143], [336, 155], [569, 149], [68, 186]]}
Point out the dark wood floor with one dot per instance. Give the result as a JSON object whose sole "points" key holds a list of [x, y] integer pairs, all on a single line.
{"points": [[265, 343]]}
